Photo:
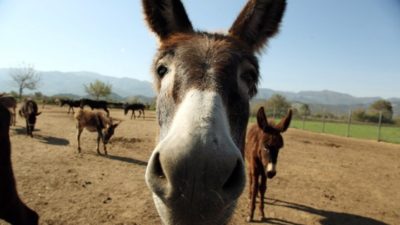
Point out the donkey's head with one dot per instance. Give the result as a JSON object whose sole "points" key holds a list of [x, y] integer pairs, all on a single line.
{"points": [[109, 131], [204, 82], [272, 140]]}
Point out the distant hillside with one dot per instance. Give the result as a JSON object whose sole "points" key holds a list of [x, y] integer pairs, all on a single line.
{"points": [[335, 102], [127, 89], [55, 82]]}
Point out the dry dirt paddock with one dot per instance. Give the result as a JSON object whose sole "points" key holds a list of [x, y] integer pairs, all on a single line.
{"points": [[321, 179]]}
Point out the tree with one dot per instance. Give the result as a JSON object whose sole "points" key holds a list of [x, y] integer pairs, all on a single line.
{"points": [[25, 77], [278, 104], [98, 89], [381, 106], [305, 110]]}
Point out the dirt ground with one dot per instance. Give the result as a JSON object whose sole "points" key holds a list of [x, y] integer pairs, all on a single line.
{"points": [[321, 179]]}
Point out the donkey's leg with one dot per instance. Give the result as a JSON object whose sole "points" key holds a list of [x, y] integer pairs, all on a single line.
{"points": [[254, 188], [108, 112], [99, 137], [133, 113], [105, 149], [27, 127], [143, 113], [250, 173], [262, 189], [98, 144], [79, 138], [14, 116]]}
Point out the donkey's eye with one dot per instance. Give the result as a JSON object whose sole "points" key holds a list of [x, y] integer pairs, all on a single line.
{"points": [[162, 70], [249, 77]]}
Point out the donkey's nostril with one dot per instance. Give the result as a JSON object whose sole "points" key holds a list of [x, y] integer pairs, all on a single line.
{"points": [[155, 176], [157, 168], [235, 180]]}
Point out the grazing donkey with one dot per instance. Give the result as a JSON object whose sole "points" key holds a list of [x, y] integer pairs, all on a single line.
{"points": [[262, 148], [12, 209], [95, 122], [135, 106], [70, 103], [10, 103], [94, 104], [29, 111], [204, 83]]}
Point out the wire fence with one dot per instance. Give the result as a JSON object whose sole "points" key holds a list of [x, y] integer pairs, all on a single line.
{"points": [[344, 126]]}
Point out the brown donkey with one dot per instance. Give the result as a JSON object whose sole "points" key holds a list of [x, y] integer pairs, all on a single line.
{"points": [[204, 83], [10, 103], [12, 209], [262, 148]]}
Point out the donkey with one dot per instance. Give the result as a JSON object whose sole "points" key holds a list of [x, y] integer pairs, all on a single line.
{"points": [[135, 106], [10, 103], [204, 82], [262, 148], [95, 122], [29, 111], [94, 104], [12, 209], [70, 103]]}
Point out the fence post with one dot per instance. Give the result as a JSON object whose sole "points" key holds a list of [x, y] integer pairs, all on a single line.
{"points": [[323, 121], [273, 113], [304, 120], [379, 125], [349, 124]]}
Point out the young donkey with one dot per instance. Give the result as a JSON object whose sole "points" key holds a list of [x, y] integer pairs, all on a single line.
{"points": [[204, 83], [12, 209], [262, 148], [95, 122]]}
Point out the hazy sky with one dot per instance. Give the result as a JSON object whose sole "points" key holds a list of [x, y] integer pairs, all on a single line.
{"points": [[350, 46]]}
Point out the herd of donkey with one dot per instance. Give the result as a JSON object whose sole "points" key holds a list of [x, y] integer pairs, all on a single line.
{"points": [[204, 82]]}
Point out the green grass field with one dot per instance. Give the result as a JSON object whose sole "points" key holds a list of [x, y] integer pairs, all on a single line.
{"points": [[363, 131]]}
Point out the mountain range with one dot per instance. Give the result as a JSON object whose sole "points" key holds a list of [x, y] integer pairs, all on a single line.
{"points": [[72, 84]]}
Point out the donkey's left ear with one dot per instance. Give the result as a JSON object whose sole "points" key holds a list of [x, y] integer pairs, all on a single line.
{"points": [[37, 114], [258, 21], [166, 17], [285, 122]]}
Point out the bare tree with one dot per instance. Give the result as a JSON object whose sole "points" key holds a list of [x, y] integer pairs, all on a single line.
{"points": [[98, 89], [25, 77]]}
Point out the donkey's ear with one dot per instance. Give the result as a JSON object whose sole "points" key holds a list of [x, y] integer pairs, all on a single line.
{"points": [[262, 119], [166, 17], [285, 122], [258, 21]]}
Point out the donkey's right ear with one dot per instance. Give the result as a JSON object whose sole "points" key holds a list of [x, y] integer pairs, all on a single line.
{"points": [[258, 21], [262, 119], [166, 17]]}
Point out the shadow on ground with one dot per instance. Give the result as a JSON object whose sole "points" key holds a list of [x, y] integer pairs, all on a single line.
{"points": [[329, 217], [51, 140], [126, 159]]}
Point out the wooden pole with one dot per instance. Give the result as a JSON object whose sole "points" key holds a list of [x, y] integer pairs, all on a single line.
{"points": [[379, 126], [323, 121], [349, 124]]}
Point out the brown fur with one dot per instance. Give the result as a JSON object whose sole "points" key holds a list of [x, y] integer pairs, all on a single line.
{"points": [[264, 140], [206, 64], [10, 103], [95, 121], [12, 209]]}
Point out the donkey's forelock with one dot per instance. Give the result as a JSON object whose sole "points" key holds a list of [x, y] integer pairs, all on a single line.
{"points": [[207, 61]]}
